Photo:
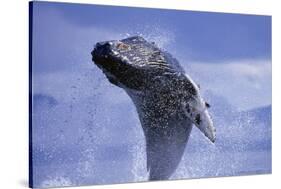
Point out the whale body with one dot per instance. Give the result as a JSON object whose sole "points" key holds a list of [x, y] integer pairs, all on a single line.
{"points": [[167, 100]]}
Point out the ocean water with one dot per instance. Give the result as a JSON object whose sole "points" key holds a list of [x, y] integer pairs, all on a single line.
{"points": [[100, 141]]}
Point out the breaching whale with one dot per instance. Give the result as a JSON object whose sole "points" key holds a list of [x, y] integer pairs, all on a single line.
{"points": [[167, 100]]}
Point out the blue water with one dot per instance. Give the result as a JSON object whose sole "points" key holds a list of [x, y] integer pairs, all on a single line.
{"points": [[98, 142]]}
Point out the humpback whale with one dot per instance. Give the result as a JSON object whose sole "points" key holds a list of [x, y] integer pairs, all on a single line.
{"points": [[167, 100]]}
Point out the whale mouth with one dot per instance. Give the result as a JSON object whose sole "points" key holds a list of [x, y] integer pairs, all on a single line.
{"points": [[110, 54], [112, 58]]}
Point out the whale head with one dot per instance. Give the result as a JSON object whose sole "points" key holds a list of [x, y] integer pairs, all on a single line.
{"points": [[132, 62]]}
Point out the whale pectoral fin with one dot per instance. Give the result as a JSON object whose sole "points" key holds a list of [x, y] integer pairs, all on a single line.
{"points": [[201, 118], [165, 147], [196, 109]]}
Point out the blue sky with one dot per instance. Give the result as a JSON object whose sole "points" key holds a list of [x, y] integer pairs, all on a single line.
{"points": [[212, 36], [238, 47], [229, 55]]}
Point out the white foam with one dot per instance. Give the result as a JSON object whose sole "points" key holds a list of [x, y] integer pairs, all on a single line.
{"points": [[56, 182]]}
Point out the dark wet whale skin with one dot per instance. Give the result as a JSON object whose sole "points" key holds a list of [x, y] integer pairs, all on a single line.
{"points": [[159, 88]]}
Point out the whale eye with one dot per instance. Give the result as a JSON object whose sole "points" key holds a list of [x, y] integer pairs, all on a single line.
{"points": [[207, 105]]}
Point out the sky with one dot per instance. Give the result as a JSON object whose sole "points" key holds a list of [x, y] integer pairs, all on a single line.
{"points": [[244, 36], [228, 55], [237, 46]]}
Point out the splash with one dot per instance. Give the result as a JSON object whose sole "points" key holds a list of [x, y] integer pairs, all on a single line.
{"points": [[236, 152], [162, 37], [57, 181], [138, 151]]}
